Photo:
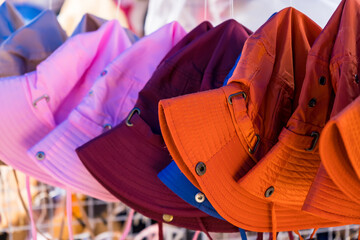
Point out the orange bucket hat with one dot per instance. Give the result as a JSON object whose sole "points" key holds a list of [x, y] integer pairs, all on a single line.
{"points": [[216, 136], [339, 170], [290, 167], [340, 154]]}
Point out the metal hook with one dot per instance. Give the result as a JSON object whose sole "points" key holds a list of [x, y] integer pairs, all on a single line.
{"points": [[128, 123], [251, 151], [316, 136], [45, 96], [235, 94]]}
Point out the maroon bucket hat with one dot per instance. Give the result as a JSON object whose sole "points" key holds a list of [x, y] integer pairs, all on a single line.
{"points": [[127, 159]]}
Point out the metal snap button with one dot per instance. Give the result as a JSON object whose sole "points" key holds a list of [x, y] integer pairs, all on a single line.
{"points": [[356, 78], [312, 102], [107, 127], [40, 156], [167, 217], [200, 168], [103, 73], [269, 191], [322, 80], [200, 197]]}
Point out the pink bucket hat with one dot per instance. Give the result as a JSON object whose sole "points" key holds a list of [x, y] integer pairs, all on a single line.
{"points": [[35, 103], [108, 103]]}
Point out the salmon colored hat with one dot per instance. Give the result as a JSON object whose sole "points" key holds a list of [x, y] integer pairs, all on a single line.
{"points": [[338, 182], [35, 103], [110, 100], [216, 137], [127, 159], [291, 165]]}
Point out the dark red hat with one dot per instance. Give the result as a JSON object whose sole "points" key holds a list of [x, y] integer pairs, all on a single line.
{"points": [[127, 159]]}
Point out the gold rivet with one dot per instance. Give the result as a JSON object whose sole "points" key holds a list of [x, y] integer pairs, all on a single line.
{"points": [[168, 218]]}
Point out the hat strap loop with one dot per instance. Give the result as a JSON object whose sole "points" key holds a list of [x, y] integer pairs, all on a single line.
{"points": [[274, 222], [298, 233], [203, 228], [243, 121], [161, 234]]}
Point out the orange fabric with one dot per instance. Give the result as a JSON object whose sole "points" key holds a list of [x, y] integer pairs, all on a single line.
{"points": [[206, 127], [292, 164], [313, 233], [340, 150], [336, 196], [298, 233]]}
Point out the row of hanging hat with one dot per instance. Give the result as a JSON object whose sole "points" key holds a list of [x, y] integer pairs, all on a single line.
{"points": [[26, 42], [88, 120]]}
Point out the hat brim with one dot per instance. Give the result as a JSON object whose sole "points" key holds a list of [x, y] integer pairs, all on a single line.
{"points": [[175, 180], [339, 153], [61, 161], [21, 126], [200, 128], [288, 168], [334, 193], [326, 200], [126, 161]]}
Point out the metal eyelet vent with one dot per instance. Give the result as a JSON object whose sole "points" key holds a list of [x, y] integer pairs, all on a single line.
{"points": [[322, 80], [128, 123], [107, 127], [316, 136], [40, 156], [45, 96], [312, 102], [269, 191], [252, 151], [235, 94], [103, 73], [200, 168]]}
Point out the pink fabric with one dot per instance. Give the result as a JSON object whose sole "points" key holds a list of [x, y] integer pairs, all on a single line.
{"points": [[128, 225], [65, 77], [32, 222], [110, 100], [196, 235], [69, 213]]}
